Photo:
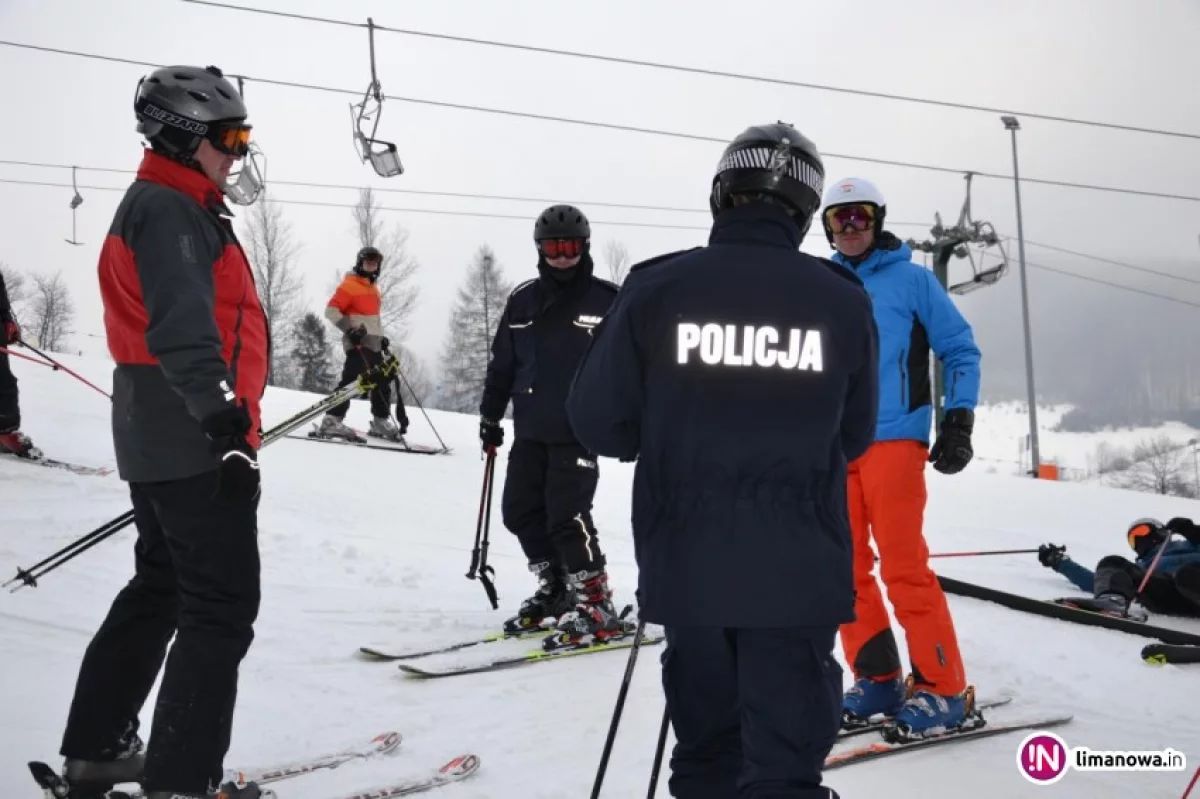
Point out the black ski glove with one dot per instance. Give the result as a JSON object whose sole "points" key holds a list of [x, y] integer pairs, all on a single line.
{"points": [[1186, 528], [1050, 555], [237, 476], [357, 334], [491, 434], [952, 451]]}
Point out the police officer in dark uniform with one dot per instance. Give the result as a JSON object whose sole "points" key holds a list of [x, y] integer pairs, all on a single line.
{"points": [[742, 375], [551, 480]]}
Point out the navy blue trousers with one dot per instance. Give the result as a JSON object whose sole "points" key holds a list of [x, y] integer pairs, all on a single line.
{"points": [[755, 711]]}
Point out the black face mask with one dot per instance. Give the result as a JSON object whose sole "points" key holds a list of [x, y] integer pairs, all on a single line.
{"points": [[562, 276]]}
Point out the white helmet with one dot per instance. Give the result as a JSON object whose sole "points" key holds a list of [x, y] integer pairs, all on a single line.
{"points": [[854, 191]]}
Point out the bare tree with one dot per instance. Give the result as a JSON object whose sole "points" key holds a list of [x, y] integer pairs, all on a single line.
{"points": [[1159, 467], [616, 257], [51, 312], [473, 323], [272, 248], [397, 276]]}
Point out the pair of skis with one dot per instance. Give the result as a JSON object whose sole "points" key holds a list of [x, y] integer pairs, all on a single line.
{"points": [[528, 657], [372, 442], [880, 749], [55, 787]]}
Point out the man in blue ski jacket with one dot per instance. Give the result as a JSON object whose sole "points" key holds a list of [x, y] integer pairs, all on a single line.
{"points": [[1174, 585], [886, 487]]}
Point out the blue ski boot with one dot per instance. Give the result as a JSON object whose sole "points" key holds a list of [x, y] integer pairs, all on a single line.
{"points": [[926, 714], [867, 698]]}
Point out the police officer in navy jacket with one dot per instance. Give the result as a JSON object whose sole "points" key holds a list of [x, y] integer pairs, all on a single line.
{"points": [[551, 478], [743, 377]]}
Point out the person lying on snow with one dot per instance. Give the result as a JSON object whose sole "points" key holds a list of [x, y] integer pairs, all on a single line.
{"points": [[1174, 585]]}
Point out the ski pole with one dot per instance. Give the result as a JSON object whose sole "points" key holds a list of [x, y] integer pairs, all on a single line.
{"points": [[58, 366], [479, 564], [399, 398], [979, 553], [31, 359], [29, 577], [1153, 565], [1188, 791], [658, 754], [616, 719], [984, 552]]}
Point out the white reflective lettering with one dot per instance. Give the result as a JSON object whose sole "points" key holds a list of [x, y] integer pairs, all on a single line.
{"points": [[711, 345], [789, 359], [750, 345], [731, 356], [810, 356], [688, 338], [762, 356]]}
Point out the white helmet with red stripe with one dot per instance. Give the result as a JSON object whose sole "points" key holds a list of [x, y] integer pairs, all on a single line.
{"points": [[854, 191]]}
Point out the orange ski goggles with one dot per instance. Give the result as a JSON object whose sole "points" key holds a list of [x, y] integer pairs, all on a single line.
{"points": [[1141, 529], [232, 139]]}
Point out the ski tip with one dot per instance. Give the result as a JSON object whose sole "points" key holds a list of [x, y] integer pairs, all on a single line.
{"points": [[387, 741], [414, 672], [461, 766], [44, 775]]}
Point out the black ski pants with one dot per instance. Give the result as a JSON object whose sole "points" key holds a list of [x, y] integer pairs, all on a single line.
{"points": [[10, 412], [359, 360], [1175, 594], [547, 504], [755, 711], [197, 578]]}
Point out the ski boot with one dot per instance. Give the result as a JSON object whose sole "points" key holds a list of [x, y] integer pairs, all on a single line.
{"points": [[17, 443], [868, 697], [1109, 604], [334, 427], [593, 620], [926, 714], [126, 763], [383, 427], [549, 602]]}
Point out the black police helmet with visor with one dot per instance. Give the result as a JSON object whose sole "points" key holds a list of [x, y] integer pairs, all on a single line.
{"points": [[774, 163], [368, 253], [178, 107], [562, 232]]}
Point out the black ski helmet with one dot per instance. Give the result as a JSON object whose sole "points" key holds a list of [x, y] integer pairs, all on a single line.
{"points": [[776, 160], [177, 107], [562, 222], [364, 254]]}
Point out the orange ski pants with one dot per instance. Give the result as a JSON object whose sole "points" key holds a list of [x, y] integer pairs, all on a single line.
{"points": [[886, 495]]}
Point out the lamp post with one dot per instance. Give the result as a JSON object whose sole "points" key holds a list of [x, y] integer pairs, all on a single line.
{"points": [[1012, 125]]}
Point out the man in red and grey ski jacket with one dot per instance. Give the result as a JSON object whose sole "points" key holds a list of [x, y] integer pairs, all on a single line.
{"points": [[191, 346], [184, 323]]}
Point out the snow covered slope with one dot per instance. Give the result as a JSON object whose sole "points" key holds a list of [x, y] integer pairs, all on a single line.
{"points": [[365, 547]]}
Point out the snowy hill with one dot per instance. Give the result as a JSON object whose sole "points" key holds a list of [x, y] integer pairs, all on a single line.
{"points": [[364, 547]]}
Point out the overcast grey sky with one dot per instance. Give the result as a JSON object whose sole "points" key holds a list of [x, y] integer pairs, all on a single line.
{"points": [[1109, 60]]}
